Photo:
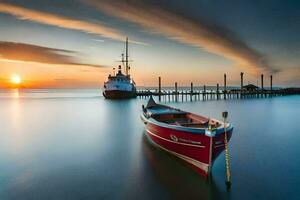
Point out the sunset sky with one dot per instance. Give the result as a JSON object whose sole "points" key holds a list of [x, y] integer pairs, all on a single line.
{"points": [[76, 43]]}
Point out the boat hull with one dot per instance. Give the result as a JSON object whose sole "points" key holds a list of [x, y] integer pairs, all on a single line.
{"points": [[197, 150], [119, 94]]}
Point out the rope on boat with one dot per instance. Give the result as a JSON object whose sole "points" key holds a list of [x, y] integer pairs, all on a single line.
{"points": [[228, 183]]}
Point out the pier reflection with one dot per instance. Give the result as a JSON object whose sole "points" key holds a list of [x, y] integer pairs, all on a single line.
{"points": [[180, 180]]}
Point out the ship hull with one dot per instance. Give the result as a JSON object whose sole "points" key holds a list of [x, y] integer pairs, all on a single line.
{"points": [[197, 150], [119, 94]]}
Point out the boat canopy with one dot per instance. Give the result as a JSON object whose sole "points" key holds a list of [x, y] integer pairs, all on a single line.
{"points": [[160, 110], [156, 109], [151, 103]]}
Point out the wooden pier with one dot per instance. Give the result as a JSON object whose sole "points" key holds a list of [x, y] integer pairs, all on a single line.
{"points": [[247, 91]]}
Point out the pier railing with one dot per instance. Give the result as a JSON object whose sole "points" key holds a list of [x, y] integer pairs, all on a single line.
{"points": [[216, 94]]}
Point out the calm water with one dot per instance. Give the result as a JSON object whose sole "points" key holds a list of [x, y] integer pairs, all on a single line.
{"points": [[73, 144]]}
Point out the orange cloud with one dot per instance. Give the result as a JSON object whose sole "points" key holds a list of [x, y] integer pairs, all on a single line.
{"points": [[288, 77], [186, 31]]}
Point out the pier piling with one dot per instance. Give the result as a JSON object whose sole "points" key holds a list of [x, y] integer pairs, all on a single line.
{"points": [[218, 92], [242, 84], [204, 92], [176, 94], [192, 91], [242, 80], [159, 88], [271, 83], [262, 86], [262, 82], [225, 86]]}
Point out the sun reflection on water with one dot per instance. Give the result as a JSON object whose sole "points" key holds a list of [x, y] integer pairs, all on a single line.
{"points": [[16, 93]]}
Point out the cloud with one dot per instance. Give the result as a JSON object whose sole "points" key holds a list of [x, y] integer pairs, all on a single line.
{"points": [[288, 76], [60, 21], [198, 33], [39, 54], [63, 22], [97, 40]]}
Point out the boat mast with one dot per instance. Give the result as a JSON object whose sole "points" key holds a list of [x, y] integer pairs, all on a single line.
{"points": [[126, 56]]}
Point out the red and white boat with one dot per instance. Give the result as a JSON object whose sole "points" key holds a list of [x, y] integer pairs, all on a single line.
{"points": [[195, 139]]}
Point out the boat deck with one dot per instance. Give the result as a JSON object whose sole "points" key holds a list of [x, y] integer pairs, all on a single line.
{"points": [[185, 119]]}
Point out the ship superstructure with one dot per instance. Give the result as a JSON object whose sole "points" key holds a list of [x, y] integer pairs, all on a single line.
{"points": [[120, 85]]}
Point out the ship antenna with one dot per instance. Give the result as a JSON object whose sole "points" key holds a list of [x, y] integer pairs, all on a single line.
{"points": [[123, 61], [127, 56]]}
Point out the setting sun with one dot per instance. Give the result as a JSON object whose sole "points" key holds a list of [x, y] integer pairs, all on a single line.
{"points": [[15, 79]]}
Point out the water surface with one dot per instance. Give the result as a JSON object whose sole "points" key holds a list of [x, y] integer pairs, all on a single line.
{"points": [[74, 144]]}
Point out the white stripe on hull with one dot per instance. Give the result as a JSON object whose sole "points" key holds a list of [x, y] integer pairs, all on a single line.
{"points": [[217, 146], [181, 143]]}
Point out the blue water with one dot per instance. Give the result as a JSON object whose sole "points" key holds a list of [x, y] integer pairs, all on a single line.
{"points": [[73, 144]]}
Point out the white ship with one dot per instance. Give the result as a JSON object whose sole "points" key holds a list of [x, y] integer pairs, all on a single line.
{"points": [[120, 86]]}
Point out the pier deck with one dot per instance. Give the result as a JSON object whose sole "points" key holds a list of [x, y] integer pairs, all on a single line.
{"points": [[248, 91]]}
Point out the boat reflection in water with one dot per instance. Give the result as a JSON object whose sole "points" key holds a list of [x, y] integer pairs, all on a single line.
{"points": [[179, 180]]}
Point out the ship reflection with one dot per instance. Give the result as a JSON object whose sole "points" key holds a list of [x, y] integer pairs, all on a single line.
{"points": [[180, 180]]}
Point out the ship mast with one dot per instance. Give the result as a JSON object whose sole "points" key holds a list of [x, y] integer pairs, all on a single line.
{"points": [[123, 61], [127, 66]]}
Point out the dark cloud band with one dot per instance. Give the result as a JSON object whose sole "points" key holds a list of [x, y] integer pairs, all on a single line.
{"points": [[177, 27], [39, 54]]}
